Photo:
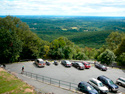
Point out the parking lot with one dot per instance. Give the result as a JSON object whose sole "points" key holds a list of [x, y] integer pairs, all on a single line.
{"points": [[68, 74]]}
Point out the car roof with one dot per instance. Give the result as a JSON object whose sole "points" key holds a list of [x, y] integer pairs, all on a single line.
{"points": [[85, 62], [94, 79], [104, 77], [78, 62], [122, 78], [40, 59], [85, 83]]}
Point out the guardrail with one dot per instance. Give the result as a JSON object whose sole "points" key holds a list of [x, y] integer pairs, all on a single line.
{"points": [[56, 82]]}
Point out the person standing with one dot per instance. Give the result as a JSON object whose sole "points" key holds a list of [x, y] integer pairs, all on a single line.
{"points": [[22, 69]]}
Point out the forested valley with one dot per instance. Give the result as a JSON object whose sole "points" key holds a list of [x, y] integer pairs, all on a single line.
{"points": [[79, 38]]}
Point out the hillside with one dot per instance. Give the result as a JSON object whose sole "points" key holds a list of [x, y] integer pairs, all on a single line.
{"points": [[9, 84], [84, 31]]}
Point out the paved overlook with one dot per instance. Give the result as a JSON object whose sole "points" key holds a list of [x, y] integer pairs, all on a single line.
{"points": [[60, 72]]}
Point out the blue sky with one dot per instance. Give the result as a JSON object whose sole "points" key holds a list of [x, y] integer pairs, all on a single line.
{"points": [[63, 7]]}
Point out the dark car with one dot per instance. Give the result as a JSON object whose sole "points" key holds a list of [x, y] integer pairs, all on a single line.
{"points": [[108, 82], [86, 64], [66, 63], [78, 65], [47, 63], [55, 63], [86, 88], [101, 67]]}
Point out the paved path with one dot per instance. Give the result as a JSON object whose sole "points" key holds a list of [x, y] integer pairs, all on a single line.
{"points": [[42, 87]]}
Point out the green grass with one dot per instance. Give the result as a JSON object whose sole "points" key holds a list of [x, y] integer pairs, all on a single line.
{"points": [[11, 85]]}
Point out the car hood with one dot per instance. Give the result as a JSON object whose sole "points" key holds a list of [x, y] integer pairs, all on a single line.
{"points": [[103, 88], [93, 92], [114, 86]]}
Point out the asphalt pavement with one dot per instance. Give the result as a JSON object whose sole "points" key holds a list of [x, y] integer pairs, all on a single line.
{"points": [[62, 73]]}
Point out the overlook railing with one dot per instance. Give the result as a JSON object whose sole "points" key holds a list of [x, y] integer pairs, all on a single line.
{"points": [[49, 80]]}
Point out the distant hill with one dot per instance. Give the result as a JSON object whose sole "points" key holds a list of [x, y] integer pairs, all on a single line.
{"points": [[83, 31]]}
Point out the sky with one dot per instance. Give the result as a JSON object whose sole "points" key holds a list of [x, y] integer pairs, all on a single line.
{"points": [[63, 7]]}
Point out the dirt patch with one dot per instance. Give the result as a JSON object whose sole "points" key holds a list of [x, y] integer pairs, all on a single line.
{"points": [[28, 90], [1, 69]]}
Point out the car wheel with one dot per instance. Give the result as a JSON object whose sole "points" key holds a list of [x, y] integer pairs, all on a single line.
{"points": [[99, 92], [110, 89], [120, 84]]}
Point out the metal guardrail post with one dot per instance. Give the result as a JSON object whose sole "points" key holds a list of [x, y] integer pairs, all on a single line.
{"points": [[36, 77], [69, 86], [31, 75], [43, 78], [50, 80], [59, 83]]}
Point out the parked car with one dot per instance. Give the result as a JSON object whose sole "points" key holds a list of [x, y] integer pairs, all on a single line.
{"points": [[86, 88], [98, 86], [108, 82], [39, 62], [120, 81], [55, 63], [78, 65], [66, 63], [100, 66], [86, 64], [47, 63]]}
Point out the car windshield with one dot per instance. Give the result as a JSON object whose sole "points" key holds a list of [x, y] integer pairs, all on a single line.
{"points": [[90, 88], [87, 64], [68, 62], [103, 66], [41, 62], [80, 64], [111, 82], [100, 85]]}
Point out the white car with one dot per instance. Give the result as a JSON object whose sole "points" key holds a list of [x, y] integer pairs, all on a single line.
{"points": [[120, 81], [39, 62], [98, 85]]}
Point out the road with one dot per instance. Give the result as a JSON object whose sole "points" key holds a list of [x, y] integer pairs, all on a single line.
{"points": [[68, 74]]}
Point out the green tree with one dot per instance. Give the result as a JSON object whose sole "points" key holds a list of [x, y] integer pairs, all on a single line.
{"points": [[121, 59], [107, 57], [81, 56], [90, 52], [113, 40], [10, 46], [121, 48], [99, 51], [31, 43], [61, 48], [120, 53]]}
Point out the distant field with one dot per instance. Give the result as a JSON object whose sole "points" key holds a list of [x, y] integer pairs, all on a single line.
{"points": [[83, 31], [9, 84]]}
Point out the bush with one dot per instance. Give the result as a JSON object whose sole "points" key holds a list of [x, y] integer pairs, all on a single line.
{"points": [[121, 59], [107, 57]]}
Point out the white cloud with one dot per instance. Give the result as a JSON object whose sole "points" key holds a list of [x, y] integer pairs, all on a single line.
{"points": [[63, 7]]}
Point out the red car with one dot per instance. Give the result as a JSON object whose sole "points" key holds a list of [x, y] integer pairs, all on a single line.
{"points": [[86, 64]]}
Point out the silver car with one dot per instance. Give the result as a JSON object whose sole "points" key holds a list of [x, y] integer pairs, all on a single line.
{"points": [[39, 62], [98, 85], [120, 81]]}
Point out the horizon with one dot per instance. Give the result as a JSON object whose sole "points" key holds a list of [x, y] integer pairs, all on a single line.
{"points": [[60, 16], [107, 8]]}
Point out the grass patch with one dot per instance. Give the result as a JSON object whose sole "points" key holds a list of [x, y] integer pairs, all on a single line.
{"points": [[74, 27], [11, 85]]}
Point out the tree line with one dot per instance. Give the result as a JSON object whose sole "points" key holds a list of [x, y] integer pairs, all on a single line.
{"points": [[18, 42]]}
